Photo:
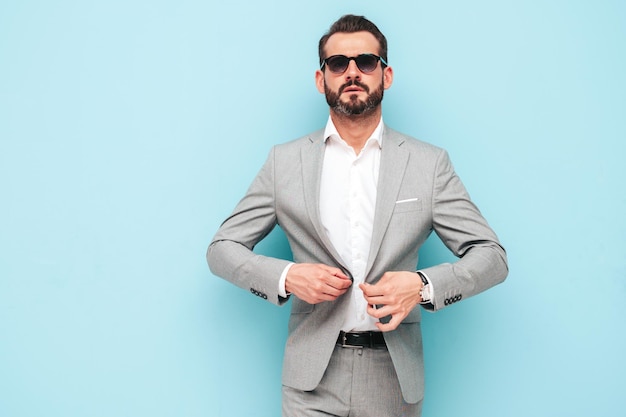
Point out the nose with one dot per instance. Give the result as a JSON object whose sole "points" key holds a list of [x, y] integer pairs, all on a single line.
{"points": [[353, 72]]}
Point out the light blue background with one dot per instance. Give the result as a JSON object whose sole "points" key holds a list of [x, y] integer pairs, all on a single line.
{"points": [[129, 130]]}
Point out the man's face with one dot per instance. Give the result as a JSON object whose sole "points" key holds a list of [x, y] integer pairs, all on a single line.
{"points": [[353, 92]]}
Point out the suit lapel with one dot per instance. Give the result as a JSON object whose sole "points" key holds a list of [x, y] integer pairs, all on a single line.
{"points": [[312, 158], [393, 162]]}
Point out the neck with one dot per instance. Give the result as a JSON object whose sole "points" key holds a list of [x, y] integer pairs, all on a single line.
{"points": [[356, 129]]}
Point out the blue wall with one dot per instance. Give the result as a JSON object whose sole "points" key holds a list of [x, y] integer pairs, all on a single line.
{"points": [[129, 130]]}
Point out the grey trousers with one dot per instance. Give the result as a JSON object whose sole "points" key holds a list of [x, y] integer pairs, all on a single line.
{"points": [[357, 383]]}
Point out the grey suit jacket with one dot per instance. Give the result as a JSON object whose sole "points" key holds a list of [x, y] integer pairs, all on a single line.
{"points": [[418, 192]]}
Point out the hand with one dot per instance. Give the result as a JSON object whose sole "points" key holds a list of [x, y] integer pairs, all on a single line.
{"points": [[397, 292], [315, 283]]}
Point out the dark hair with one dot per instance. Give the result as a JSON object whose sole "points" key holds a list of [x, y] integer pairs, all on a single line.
{"points": [[350, 24]]}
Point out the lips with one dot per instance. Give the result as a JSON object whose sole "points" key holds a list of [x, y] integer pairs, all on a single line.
{"points": [[354, 87]]}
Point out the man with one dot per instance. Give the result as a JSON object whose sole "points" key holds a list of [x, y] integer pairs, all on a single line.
{"points": [[356, 202]]}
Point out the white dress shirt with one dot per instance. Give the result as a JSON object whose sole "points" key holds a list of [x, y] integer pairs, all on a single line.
{"points": [[347, 204]]}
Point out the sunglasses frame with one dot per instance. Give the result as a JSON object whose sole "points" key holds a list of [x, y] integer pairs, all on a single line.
{"points": [[355, 59]]}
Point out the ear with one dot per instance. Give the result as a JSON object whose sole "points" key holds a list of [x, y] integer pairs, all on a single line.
{"points": [[319, 81], [387, 77]]}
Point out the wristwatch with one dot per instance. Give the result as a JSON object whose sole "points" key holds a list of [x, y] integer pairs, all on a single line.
{"points": [[425, 292]]}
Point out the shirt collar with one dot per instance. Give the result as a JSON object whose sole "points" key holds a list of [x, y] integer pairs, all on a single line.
{"points": [[377, 134]]}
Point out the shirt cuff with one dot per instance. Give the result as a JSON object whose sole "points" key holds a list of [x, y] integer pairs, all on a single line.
{"points": [[281, 283]]}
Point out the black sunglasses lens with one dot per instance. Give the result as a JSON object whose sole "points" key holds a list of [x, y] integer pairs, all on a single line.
{"points": [[366, 63], [337, 63]]}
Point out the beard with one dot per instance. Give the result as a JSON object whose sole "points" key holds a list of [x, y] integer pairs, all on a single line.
{"points": [[354, 106]]}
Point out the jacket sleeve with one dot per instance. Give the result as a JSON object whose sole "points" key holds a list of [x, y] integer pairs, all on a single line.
{"points": [[462, 228], [230, 254]]}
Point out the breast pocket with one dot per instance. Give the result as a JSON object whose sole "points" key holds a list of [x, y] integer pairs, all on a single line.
{"points": [[408, 204], [410, 220]]}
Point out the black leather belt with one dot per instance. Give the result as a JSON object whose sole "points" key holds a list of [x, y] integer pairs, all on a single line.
{"points": [[361, 340]]}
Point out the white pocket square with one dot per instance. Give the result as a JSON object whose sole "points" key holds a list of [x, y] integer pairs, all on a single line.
{"points": [[408, 200]]}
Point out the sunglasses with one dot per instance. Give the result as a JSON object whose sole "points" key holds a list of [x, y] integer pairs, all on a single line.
{"points": [[338, 64]]}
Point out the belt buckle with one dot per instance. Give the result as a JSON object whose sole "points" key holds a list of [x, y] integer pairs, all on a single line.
{"points": [[344, 338]]}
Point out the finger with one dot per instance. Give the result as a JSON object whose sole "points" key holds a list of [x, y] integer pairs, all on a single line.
{"points": [[327, 297], [319, 299], [328, 294], [371, 297], [370, 290], [339, 283], [335, 286], [333, 292], [335, 272], [390, 325], [379, 311]]}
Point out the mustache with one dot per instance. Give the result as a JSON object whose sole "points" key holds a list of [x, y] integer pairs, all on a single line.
{"points": [[356, 83]]}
